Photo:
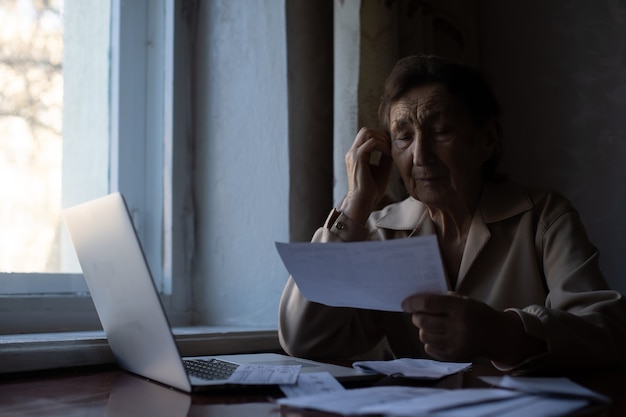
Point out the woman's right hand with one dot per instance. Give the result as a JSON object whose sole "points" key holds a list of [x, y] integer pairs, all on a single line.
{"points": [[367, 182]]}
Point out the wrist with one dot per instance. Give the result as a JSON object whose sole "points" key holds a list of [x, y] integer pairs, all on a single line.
{"points": [[357, 212], [512, 344]]}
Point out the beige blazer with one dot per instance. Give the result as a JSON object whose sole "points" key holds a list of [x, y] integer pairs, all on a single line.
{"points": [[526, 251]]}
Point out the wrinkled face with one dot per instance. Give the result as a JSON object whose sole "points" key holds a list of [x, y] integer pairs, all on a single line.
{"points": [[436, 146]]}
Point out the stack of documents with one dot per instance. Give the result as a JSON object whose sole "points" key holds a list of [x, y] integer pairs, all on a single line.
{"points": [[510, 397], [323, 382]]}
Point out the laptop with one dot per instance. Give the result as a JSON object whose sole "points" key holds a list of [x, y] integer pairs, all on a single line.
{"points": [[130, 309]]}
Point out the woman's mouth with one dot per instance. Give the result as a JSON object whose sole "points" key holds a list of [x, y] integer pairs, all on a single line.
{"points": [[429, 178]]}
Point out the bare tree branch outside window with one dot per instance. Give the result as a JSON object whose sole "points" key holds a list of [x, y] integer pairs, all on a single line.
{"points": [[31, 106]]}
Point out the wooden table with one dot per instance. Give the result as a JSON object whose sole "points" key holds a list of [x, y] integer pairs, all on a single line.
{"points": [[112, 392]]}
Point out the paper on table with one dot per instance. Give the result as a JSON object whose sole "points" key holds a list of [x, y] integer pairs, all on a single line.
{"points": [[312, 383], [399, 400], [547, 386], [535, 406], [254, 374], [352, 401], [516, 406], [414, 368], [374, 275], [445, 400]]}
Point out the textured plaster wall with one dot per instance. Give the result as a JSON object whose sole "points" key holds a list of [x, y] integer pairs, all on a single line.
{"points": [[242, 167]]}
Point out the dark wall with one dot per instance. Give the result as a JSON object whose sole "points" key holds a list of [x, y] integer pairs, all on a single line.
{"points": [[559, 70]]}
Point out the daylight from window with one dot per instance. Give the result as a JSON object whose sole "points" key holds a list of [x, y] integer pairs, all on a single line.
{"points": [[31, 148]]}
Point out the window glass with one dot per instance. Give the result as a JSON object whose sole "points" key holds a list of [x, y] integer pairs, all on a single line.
{"points": [[53, 125], [85, 109], [31, 81]]}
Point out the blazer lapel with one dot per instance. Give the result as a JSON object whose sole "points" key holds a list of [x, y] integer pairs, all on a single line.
{"points": [[499, 201], [476, 240]]}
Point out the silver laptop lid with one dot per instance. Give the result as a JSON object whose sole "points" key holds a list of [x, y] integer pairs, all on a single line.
{"points": [[123, 291]]}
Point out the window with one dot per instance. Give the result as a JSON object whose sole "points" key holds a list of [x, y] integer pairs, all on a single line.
{"points": [[196, 138], [86, 110]]}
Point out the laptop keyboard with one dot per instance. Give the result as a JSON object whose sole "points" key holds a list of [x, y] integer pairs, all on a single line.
{"points": [[210, 369]]}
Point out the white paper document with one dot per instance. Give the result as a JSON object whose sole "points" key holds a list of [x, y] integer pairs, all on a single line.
{"points": [[445, 400], [398, 401], [515, 406], [354, 401], [253, 374], [563, 387], [312, 383], [414, 368], [375, 275]]}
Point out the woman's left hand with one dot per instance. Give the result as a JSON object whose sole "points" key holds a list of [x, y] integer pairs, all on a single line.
{"points": [[456, 328]]}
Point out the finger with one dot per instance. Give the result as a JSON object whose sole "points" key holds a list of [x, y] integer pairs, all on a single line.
{"points": [[439, 352], [440, 341], [372, 151], [457, 295], [375, 140], [381, 142], [435, 345], [431, 323], [364, 134], [429, 304]]}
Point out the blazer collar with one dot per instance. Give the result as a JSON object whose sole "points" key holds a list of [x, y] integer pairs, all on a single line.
{"points": [[499, 201]]}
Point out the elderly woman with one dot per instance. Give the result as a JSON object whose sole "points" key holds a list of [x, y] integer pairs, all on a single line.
{"points": [[527, 292]]}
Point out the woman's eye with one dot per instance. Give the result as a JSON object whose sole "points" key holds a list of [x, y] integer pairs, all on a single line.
{"points": [[402, 141], [441, 134], [403, 137], [440, 130]]}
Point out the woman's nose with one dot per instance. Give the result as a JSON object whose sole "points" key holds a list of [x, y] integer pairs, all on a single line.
{"points": [[421, 150]]}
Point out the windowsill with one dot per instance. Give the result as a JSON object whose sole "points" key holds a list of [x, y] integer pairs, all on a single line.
{"points": [[45, 351]]}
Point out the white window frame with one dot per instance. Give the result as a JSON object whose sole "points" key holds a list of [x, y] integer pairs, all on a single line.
{"points": [[141, 135], [141, 34]]}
